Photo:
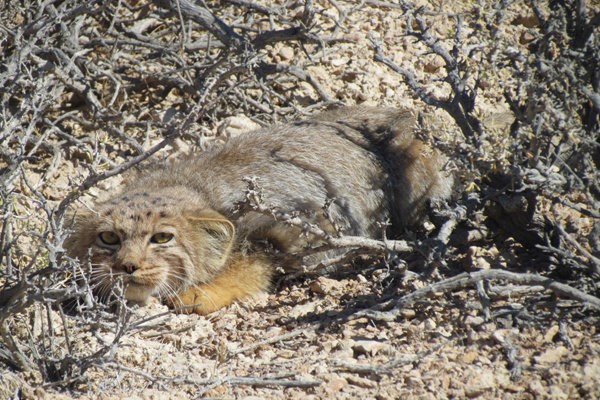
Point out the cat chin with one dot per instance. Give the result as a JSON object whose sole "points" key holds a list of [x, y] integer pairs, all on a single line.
{"points": [[138, 294]]}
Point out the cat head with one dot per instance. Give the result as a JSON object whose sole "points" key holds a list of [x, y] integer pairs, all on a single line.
{"points": [[157, 244]]}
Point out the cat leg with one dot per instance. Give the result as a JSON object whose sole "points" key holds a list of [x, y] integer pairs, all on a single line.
{"points": [[243, 277]]}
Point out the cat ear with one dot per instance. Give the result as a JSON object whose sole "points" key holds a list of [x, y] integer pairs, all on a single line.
{"points": [[219, 232]]}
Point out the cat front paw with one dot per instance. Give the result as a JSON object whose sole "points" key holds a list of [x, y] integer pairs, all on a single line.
{"points": [[192, 300]]}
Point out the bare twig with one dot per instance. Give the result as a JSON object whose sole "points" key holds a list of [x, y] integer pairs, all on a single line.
{"points": [[276, 339], [388, 367], [511, 352], [394, 307], [208, 20], [594, 261], [462, 102], [227, 380]]}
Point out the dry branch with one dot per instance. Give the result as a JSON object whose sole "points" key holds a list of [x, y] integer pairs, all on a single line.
{"points": [[594, 261], [207, 20], [388, 367], [212, 382], [391, 309], [276, 339], [461, 103]]}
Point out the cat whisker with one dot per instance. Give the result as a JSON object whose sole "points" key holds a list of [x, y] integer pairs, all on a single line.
{"points": [[166, 291]]}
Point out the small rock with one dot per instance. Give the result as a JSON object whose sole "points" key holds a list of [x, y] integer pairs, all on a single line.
{"points": [[469, 357], [537, 388], [354, 36], [551, 334], [526, 37], [303, 309], [361, 382], [529, 21], [335, 385], [480, 383], [551, 356], [474, 321], [429, 227], [338, 62], [429, 324], [433, 65], [369, 347], [286, 53], [323, 285]]}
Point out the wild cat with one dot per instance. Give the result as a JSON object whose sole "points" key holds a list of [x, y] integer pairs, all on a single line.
{"points": [[177, 232]]}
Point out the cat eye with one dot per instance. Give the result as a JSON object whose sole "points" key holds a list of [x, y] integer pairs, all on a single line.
{"points": [[109, 238], [161, 237]]}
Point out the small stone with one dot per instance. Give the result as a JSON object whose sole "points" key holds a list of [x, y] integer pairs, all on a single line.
{"points": [[338, 62], [433, 65], [474, 321], [526, 37], [469, 357], [286, 53], [361, 382], [480, 383], [551, 334], [335, 385], [551, 356], [369, 347], [323, 285], [429, 324]]}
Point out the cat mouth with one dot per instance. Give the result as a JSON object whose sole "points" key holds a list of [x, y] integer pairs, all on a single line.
{"points": [[138, 292]]}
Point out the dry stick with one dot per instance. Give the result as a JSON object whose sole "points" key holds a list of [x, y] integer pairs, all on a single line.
{"points": [[458, 106], [279, 338], [484, 299], [468, 279], [511, 353], [208, 20], [73, 140], [231, 380], [409, 76], [227, 35], [590, 213], [260, 8], [594, 260], [440, 244], [513, 291], [300, 74], [390, 365], [384, 4], [262, 382]]}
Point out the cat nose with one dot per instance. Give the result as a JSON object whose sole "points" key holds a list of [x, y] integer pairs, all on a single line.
{"points": [[128, 266]]}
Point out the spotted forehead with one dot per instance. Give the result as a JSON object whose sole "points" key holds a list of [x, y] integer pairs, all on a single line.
{"points": [[141, 205]]}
